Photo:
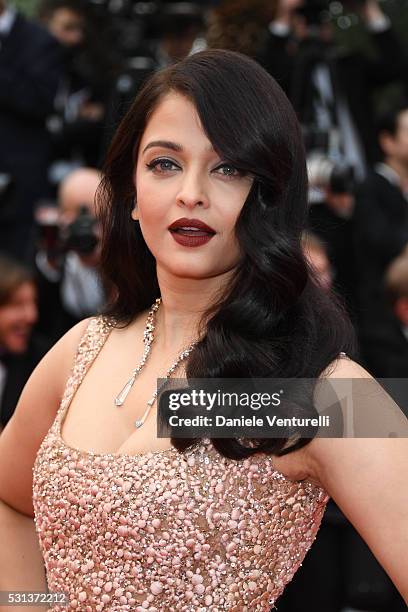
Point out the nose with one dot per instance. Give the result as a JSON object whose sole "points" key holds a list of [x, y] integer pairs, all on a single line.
{"points": [[192, 191]]}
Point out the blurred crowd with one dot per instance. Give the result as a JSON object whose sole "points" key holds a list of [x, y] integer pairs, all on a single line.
{"points": [[68, 75]]}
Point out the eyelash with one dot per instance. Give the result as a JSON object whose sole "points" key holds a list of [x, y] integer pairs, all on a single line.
{"points": [[152, 166]]}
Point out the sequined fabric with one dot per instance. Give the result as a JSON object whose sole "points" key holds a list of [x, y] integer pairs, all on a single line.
{"points": [[164, 531]]}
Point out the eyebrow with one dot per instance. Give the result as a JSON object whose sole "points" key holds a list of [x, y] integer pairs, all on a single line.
{"points": [[168, 144], [164, 144]]}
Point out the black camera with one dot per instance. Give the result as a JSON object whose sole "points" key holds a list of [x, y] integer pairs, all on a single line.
{"points": [[80, 235]]}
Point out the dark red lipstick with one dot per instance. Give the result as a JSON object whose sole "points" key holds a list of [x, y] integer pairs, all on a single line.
{"points": [[191, 232]]}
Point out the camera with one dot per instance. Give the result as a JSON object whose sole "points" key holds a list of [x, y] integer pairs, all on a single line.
{"points": [[324, 173], [327, 169], [80, 235]]}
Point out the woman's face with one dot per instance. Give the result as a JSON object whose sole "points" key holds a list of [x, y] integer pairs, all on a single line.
{"points": [[17, 318], [180, 178]]}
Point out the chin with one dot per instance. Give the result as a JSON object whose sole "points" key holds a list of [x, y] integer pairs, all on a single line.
{"points": [[197, 273], [190, 272], [17, 346]]}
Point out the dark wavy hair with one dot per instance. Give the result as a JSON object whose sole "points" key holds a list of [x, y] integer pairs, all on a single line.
{"points": [[273, 320]]}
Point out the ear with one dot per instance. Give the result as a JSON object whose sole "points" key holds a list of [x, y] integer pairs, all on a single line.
{"points": [[386, 141], [401, 309], [135, 212]]}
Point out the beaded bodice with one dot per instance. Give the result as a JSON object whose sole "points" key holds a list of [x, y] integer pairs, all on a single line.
{"points": [[165, 531]]}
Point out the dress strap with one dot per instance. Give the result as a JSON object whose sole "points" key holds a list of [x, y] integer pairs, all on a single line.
{"points": [[92, 341]]}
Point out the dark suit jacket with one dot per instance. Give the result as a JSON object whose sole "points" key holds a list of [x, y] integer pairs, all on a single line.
{"points": [[355, 77], [387, 353], [380, 228], [30, 69], [336, 233], [18, 370]]}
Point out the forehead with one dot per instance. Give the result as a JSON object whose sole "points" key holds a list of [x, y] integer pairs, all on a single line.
{"points": [[175, 118], [403, 120], [67, 15], [26, 290]]}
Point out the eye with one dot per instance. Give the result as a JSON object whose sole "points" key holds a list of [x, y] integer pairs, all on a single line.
{"points": [[162, 165], [228, 171]]}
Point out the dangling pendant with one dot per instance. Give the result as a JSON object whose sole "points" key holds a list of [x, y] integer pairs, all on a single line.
{"points": [[139, 422], [120, 398]]}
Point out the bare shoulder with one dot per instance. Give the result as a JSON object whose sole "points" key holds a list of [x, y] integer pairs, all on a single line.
{"points": [[53, 370], [345, 367], [33, 416], [379, 425], [366, 475], [321, 452]]}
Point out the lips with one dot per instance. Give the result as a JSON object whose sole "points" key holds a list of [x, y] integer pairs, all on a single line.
{"points": [[191, 232], [192, 226]]}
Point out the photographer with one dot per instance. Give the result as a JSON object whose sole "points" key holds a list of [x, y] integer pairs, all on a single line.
{"points": [[30, 70], [330, 88], [166, 37], [76, 125], [68, 256]]}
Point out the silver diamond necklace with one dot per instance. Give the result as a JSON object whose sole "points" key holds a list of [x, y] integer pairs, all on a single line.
{"points": [[148, 337]]}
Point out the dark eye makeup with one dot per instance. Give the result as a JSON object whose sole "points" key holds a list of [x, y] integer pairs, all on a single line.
{"points": [[164, 164]]}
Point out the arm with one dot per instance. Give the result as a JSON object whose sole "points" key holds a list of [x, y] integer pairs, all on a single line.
{"points": [[389, 64], [367, 479], [20, 558], [273, 53]]}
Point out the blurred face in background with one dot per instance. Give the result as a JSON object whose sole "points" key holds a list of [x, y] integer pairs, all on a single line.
{"points": [[395, 146], [67, 26], [320, 263], [77, 189], [17, 318]]}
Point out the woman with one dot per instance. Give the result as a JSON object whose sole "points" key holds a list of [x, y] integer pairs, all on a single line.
{"points": [[204, 199]]}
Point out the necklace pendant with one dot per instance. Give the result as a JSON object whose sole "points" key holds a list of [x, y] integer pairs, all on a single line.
{"points": [[138, 423], [120, 398]]}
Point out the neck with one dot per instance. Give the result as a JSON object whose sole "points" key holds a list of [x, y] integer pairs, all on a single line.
{"points": [[184, 301], [400, 168]]}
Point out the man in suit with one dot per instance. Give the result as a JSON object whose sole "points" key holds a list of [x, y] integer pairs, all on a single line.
{"points": [[173, 35], [380, 228], [387, 348], [29, 77], [332, 90]]}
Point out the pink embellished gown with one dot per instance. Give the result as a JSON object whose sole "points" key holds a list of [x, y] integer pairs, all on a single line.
{"points": [[165, 531]]}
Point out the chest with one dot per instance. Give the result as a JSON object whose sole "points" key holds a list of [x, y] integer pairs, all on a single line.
{"points": [[92, 421]]}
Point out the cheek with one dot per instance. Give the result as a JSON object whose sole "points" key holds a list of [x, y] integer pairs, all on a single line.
{"points": [[230, 219], [152, 220], [7, 319], [151, 199]]}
